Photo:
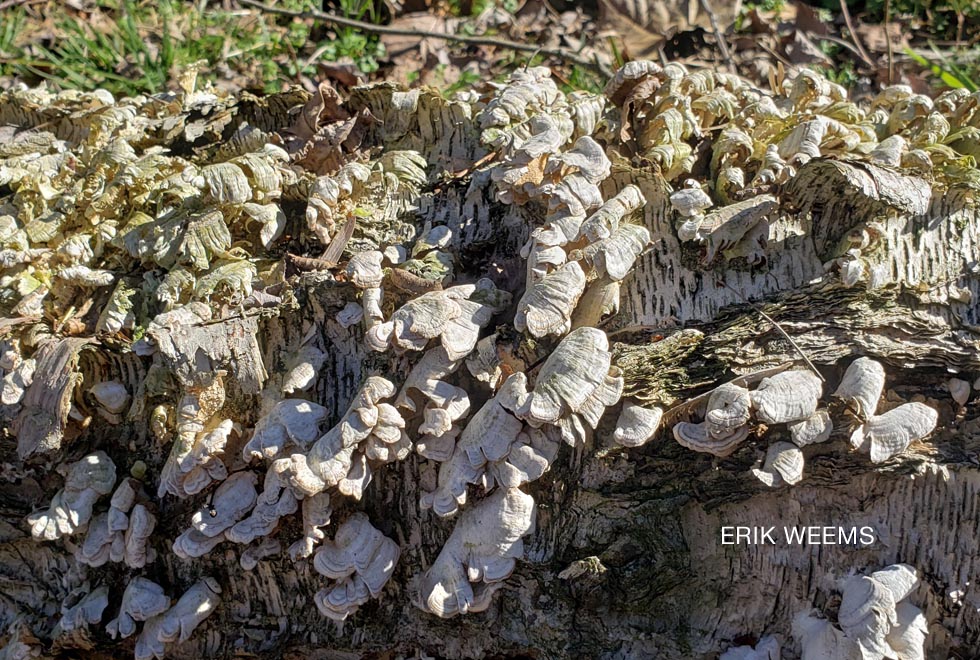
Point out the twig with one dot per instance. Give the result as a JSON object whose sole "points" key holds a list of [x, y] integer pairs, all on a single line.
{"points": [[778, 327], [854, 35], [16, 3], [719, 37], [326, 17], [888, 40]]}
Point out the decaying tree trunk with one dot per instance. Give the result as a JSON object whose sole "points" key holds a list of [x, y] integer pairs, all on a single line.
{"points": [[626, 559]]}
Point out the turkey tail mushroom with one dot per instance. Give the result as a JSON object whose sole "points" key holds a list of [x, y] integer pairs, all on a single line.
{"points": [[482, 550], [890, 433], [361, 559], [789, 396]]}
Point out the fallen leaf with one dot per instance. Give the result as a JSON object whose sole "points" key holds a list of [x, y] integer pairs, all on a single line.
{"points": [[643, 25], [875, 38], [324, 107]]}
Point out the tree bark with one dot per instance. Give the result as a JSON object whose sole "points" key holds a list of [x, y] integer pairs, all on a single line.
{"points": [[627, 559]]}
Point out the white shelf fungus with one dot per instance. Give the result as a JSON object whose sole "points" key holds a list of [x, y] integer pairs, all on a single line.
{"points": [[138, 552], [71, 508], [86, 611], [141, 600], [725, 425], [302, 368], [547, 305], [445, 403], [495, 445], [275, 501], [875, 620], [454, 315], [908, 637], [615, 255], [235, 497], [179, 622], [361, 559], [370, 428], [862, 385], [250, 557], [479, 554], [813, 430], [576, 381], [636, 424], [784, 464], [890, 433], [194, 461], [766, 648], [292, 424], [789, 396], [316, 514], [959, 389]]}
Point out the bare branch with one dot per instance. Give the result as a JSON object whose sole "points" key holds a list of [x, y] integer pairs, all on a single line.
{"points": [[562, 53]]}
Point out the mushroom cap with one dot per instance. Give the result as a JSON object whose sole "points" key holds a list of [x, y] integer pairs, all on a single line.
{"points": [[636, 424], [813, 430], [547, 305], [697, 438], [729, 407], [787, 397], [862, 384], [892, 432]]}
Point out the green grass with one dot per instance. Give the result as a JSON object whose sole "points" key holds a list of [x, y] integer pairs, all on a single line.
{"points": [[947, 71], [139, 45]]}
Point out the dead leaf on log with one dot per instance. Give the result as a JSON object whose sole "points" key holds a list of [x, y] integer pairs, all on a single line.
{"points": [[334, 144], [643, 25], [323, 108]]}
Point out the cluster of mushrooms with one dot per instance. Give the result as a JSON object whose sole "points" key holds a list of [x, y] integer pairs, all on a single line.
{"points": [[875, 620], [140, 247], [791, 398]]}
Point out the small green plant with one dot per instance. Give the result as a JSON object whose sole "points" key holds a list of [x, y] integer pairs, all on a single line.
{"points": [[947, 70], [762, 6], [364, 49], [583, 79], [137, 46], [844, 73]]}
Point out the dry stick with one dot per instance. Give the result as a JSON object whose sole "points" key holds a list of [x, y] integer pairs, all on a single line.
{"points": [[854, 35], [777, 326], [325, 17], [888, 40], [722, 44]]}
